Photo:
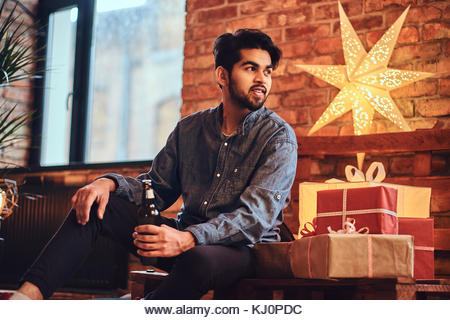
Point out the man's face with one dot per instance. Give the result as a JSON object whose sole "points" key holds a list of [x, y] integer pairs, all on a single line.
{"points": [[251, 79]]}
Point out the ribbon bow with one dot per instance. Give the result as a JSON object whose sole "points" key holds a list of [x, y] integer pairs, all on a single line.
{"points": [[353, 174], [348, 227], [309, 229]]}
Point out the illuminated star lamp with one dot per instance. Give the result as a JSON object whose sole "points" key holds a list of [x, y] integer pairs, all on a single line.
{"points": [[364, 81]]}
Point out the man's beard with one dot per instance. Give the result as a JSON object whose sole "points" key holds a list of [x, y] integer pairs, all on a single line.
{"points": [[244, 100]]}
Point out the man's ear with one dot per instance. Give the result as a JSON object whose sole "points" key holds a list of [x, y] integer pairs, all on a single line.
{"points": [[222, 76]]}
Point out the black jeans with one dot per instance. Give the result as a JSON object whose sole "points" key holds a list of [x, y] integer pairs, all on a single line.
{"points": [[192, 273]]}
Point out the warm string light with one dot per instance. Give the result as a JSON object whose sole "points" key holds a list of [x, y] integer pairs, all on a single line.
{"points": [[8, 197]]}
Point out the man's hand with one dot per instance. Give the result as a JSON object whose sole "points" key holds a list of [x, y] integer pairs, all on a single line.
{"points": [[164, 241], [97, 191]]}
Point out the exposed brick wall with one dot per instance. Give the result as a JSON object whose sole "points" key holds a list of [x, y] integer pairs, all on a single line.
{"points": [[19, 94], [308, 32]]}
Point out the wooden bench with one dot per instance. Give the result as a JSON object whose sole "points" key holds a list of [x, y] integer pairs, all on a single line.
{"points": [[420, 143], [303, 289]]}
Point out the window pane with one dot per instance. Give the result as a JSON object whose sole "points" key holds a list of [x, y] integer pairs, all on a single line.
{"points": [[58, 87], [136, 78]]}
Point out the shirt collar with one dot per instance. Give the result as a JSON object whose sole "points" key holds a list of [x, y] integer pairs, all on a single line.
{"points": [[249, 119]]}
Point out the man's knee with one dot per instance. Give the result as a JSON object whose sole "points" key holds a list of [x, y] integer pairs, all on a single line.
{"points": [[196, 266], [197, 260]]}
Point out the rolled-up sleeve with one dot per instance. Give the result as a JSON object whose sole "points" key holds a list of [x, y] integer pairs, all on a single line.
{"points": [[260, 203]]}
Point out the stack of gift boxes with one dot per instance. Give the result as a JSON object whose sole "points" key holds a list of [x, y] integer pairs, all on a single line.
{"points": [[361, 230]]}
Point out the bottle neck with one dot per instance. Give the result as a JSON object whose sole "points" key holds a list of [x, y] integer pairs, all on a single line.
{"points": [[149, 199]]}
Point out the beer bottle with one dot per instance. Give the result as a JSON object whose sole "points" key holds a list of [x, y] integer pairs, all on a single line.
{"points": [[148, 214]]}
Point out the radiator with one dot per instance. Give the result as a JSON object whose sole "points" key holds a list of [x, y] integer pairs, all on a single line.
{"points": [[34, 222]]}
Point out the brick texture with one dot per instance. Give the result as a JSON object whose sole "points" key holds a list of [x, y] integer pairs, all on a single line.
{"points": [[415, 15], [416, 52], [328, 45], [294, 49], [213, 15], [363, 23], [416, 89], [377, 5], [434, 107], [201, 4], [308, 32], [437, 30], [290, 17], [408, 35], [445, 87]]}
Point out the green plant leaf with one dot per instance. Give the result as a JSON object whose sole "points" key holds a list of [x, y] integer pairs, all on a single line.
{"points": [[15, 53]]}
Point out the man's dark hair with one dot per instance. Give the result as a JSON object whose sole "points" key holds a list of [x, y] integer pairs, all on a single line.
{"points": [[227, 47]]}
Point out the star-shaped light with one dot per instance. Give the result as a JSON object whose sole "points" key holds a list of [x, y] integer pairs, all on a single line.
{"points": [[365, 80]]}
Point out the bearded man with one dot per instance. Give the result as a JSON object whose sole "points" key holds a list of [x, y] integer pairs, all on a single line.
{"points": [[234, 166]]}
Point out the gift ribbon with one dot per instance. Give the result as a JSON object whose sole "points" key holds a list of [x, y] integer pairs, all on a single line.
{"points": [[309, 258], [348, 227], [309, 229], [423, 248], [360, 211], [353, 174]]}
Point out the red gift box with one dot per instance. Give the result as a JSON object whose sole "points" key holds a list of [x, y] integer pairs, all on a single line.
{"points": [[423, 231], [372, 207]]}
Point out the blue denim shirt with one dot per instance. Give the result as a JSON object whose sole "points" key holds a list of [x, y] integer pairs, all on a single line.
{"points": [[233, 188]]}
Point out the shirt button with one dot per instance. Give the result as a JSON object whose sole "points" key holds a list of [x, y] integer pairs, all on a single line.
{"points": [[225, 144], [278, 196], [205, 203], [235, 170], [218, 175]]}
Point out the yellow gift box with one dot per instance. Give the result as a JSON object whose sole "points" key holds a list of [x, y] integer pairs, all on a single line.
{"points": [[412, 202]]}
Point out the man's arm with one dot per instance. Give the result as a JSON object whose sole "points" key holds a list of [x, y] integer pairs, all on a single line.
{"points": [[259, 204], [164, 241], [164, 176], [164, 182]]}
